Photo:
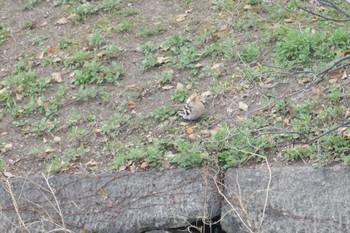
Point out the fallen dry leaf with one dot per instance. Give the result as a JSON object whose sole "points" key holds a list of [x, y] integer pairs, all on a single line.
{"points": [[19, 96], [57, 77], [347, 113], [332, 80], [8, 174], [131, 104], [180, 17], [288, 20], [39, 101], [167, 87], [189, 130], [56, 139], [49, 150], [206, 132], [247, 7], [166, 164], [41, 55], [43, 24], [62, 21], [345, 75], [91, 163], [286, 121], [194, 137], [162, 60], [179, 86], [71, 16], [243, 106], [216, 65], [144, 165]]}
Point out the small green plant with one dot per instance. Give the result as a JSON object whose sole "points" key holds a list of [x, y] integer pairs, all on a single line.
{"points": [[223, 5], [4, 33], [96, 39], [165, 77], [96, 71], [162, 113], [86, 93], [151, 31], [29, 4], [2, 165], [109, 5], [128, 11], [124, 26], [38, 41], [28, 24], [111, 51], [305, 47], [113, 124], [149, 59], [64, 43], [180, 95], [77, 132], [186, 58], [43, 126], [189, 154], [300, 152], [249, 52], [127, 153], [77, 59]]}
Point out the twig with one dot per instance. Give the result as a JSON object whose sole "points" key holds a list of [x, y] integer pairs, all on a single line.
{"points": [[327, 132], [15, 205], [57, 203], [331, 5]]}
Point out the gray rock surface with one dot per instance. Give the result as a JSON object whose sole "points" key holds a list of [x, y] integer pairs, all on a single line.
{"points": [[108, 202], [300, 199]]}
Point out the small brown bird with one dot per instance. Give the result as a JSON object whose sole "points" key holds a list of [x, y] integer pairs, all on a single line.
{"points": [[193, 108]]}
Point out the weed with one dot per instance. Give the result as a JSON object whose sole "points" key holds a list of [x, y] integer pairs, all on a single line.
{"points": [[29, 4], [4, 33], [111, 51], [189, 154], [151, 31], [163, 112], [109, 5], [186, 57], [223, 5], [96, 71], [2, 165], [126, 153], [77, 132], [299, 152], [149, 59], [28, 24], [77, 59], [57, 163], [114, 123], [249, 52], [165, 77], [64, 43], [96, 39], [304, 47], [43, 126], [86, 93], [174, 43], [38, 41], [180, 95], [124, 26], [128, 11]]}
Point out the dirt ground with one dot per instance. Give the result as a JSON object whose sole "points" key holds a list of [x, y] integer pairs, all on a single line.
{"points": [[78, 142]]}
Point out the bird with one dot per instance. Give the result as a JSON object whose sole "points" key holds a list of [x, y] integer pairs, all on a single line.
{"points": [[194, 108]]}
